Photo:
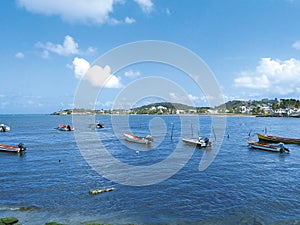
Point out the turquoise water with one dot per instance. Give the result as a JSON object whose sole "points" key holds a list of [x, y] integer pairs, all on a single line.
{"points": [[241, 186]]}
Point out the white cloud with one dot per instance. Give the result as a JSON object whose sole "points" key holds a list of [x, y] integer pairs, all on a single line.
{"points": [[129, 20], [92, 11], [183, 99], [20, 55], [296, 44], [91, 50], [250, 80], [273, 76], [88, 12], [146, 5], [132, 73], [102, 77], [193, 98], [113, 21], [69, 47], [96, 75], [81, 66]]}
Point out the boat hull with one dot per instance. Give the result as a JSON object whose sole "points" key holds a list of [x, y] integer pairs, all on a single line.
{"points": [[63, 127], [10, 148], [193, 141], [276, 139], [4, 128], [267, 147], [136, 139], [96, 125]]}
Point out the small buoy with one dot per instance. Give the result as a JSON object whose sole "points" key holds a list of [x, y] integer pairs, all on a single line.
{"points": [[102, 190], [137, 152]]}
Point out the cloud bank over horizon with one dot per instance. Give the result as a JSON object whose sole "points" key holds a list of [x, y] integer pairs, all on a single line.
{"points": [[272, 76]]}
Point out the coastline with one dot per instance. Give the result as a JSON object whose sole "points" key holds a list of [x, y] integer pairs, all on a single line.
{"points": [[203, 114]]}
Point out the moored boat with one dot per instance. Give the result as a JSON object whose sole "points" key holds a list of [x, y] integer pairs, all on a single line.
{"points": [[200, 142], [267, 147], [96, 125], [4, 128], [137, 139], [10, 148], [277, 139], [64, 127]]}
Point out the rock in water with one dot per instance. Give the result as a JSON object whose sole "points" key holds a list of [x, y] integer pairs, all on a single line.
{"points": [[8, 221], [29, 208]]}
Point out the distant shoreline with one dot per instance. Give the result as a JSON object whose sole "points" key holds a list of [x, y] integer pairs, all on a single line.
{"points": [[115, 114], [166, 114]]}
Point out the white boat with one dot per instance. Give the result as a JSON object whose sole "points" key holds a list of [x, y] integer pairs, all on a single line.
{"points": [[267, 147], [9, 148], [4, 128], [140, 140], [64, 127], [200, 142]]}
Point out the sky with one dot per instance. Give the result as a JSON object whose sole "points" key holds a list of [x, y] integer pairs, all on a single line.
{"points": [[47, 47]]}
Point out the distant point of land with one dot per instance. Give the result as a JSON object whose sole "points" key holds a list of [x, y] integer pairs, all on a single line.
{"points": [[261, 108]]}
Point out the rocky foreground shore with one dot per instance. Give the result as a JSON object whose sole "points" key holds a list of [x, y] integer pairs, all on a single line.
{"points": [[15, 221]]}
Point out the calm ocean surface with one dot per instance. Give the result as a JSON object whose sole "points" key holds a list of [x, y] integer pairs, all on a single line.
{"points": [[241, 186]]}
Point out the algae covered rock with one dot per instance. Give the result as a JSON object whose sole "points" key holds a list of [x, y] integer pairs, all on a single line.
{"points": [[8, 221], [94, 224], [28, 208], [53, 223], [98, 224]]}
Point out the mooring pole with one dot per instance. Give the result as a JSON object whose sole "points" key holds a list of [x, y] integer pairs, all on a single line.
{"points": [[172, 131]]}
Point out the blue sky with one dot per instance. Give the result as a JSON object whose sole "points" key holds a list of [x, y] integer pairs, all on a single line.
{"points": [[252, 47]]}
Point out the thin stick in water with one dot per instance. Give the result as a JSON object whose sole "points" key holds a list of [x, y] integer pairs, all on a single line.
{"points": [[172, 131]]}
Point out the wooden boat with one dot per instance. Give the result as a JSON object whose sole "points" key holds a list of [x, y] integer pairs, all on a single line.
{"points": [[137, 139], [200, 142], [276, 139], [64, 127], [9, 148], [101, 190], [267, 147], [4, 128]]}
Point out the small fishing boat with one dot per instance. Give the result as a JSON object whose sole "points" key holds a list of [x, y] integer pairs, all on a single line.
{"points": [[200, 142], [137, 139], [267, 147], [96, 125], [4, 128], [9, 148], [64, 127], [101, 190], [276, 139]]}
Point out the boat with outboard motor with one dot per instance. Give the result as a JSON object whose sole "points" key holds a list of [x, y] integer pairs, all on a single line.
{"points": [[64, 127], [201, 142], [10, 148], [267, 147], [96, 125], [4, 128]]}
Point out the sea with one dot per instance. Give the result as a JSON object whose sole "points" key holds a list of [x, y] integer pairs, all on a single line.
{"points": [[164, 185]]}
